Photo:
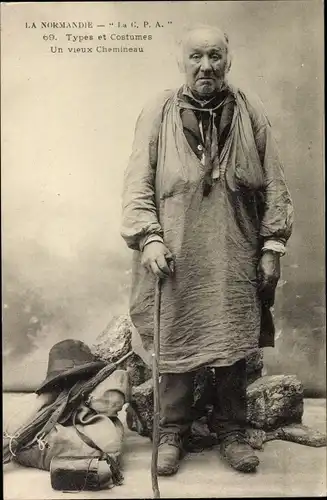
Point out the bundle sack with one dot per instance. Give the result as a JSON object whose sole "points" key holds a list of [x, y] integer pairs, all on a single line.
{"points": [[90, 431], [64, 441]]}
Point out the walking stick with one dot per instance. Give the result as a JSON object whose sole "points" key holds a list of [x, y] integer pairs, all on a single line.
{"points": [[156, 401]]}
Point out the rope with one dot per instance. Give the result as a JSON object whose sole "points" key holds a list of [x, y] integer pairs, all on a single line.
{"points": [[11, 438], [39, 438]]}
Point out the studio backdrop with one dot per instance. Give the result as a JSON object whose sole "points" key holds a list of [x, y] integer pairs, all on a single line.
{"points": [[68, 119]]}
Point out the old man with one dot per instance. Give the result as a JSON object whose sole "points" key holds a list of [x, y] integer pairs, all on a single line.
{"points": [[205, 189]]}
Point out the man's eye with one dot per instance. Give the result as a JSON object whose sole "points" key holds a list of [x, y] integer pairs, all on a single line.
{"points": [[195, 56], [216, 57]]}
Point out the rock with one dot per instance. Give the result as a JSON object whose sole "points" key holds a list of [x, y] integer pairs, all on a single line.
{"points": [[134, 423], [139, 414], [298, 433], [273, 401], [254, 365], [116, 341], [138, 371]]}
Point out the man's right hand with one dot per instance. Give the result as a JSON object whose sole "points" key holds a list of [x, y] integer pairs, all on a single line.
{"points": [[158, 259]]}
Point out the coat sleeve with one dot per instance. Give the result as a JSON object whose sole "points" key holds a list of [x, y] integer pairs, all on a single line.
{"points": [[140, 223], [277, 213]]}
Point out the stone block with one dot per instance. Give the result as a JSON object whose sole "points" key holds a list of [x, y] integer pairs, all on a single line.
{"points": [[139, 413], [272, 401], [116, 341]]}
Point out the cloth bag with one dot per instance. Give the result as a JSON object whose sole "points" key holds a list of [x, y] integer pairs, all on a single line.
{"points": [[63, 440], [96, 418]]}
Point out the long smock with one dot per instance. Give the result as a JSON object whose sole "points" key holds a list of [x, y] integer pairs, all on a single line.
{"points": [[210, 309]]}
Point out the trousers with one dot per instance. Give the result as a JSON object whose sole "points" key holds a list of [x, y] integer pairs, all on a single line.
{"points": [[229, 404]]}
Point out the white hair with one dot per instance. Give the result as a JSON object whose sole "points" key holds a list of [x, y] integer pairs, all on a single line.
{"points": [[186, 33]]}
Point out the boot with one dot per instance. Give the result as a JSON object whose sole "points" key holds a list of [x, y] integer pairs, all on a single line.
{"points": [[169, 455], [239, 454]]}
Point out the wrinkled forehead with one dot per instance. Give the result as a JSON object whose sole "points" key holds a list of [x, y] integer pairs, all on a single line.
{"points": [[204, 39]]}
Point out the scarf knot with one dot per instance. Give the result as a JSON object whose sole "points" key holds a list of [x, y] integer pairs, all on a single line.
{"points": [[209, 133]]}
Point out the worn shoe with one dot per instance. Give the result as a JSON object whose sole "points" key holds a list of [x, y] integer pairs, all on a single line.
{"points": [[168, 459], [239, 454]]}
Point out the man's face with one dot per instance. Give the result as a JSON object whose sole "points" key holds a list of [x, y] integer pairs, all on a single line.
{"points": [[205, 61]]}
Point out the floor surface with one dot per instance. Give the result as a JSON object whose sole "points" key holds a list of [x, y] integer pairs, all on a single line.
{"points": [[286, 470]]}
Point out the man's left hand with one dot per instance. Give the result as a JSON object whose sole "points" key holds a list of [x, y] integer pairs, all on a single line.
{"points": [[268, 273]]}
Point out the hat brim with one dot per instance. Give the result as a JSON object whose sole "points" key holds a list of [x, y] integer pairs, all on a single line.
{"points": [[88, 368]]}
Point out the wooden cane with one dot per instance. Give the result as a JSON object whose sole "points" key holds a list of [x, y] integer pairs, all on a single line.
{"points": [[156, 400]]}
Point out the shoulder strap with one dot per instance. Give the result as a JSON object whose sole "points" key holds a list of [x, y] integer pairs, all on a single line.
{"points": [[39, 436], [117, 476], [55, 417]]}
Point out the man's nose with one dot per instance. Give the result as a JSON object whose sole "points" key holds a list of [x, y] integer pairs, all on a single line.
{"points": [[205, 64]]}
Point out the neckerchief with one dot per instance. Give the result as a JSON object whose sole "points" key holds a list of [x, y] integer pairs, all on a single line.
{"points": [[210, 157]]}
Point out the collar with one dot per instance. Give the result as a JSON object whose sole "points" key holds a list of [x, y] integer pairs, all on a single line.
{"points": [[187, 92], [184, 98]]}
